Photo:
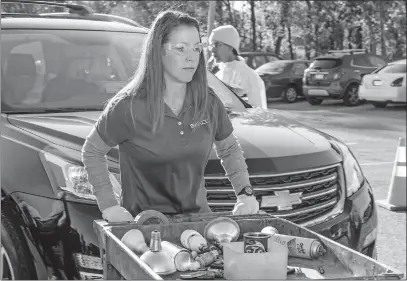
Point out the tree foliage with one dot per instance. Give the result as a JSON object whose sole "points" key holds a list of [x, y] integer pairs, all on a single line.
{"points": [[293, 29]]}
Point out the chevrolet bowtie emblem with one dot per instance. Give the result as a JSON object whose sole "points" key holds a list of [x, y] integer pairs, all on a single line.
{"points": [[283, 200]]}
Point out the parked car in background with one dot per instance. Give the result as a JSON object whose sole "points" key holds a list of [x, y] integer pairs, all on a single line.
{"points": [[386, 85], [252, 59], [58, 73], [338, 74], [283, 78], [257, 59]]}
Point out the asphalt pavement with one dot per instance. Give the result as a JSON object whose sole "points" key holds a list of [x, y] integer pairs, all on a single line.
{"points": [[372, 134]]}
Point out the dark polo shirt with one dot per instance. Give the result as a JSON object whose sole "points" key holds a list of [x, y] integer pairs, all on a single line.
{"points": [[164, 171]]}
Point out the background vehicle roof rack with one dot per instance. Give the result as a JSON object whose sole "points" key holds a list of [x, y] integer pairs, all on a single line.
{"points": [[351, 51], [79, 9]]}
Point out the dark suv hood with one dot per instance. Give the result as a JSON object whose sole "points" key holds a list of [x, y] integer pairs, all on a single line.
{"points": [[264, 137]]}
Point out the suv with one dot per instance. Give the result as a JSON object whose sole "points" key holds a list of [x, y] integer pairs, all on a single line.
{"points": [[57, 74], [338, 74]]}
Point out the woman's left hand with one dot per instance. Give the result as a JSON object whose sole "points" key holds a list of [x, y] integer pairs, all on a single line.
{"points": [[246, 205]]}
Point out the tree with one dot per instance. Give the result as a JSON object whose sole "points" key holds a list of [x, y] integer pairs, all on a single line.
{"points": [[253, 19]]}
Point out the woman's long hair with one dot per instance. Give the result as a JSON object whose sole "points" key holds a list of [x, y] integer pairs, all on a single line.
{"points": [[149, 76]]}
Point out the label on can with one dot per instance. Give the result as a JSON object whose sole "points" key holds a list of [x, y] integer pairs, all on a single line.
{"points": [[255, 242]]}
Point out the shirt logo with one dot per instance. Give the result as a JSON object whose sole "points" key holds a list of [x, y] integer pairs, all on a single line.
{"points": [[199, 124]]}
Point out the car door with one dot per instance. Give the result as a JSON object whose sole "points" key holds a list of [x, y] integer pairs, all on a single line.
{"points": [[298, 72]]}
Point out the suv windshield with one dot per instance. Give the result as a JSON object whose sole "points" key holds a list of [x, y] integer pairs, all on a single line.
{"points": [[72, 69], [325, 63]]}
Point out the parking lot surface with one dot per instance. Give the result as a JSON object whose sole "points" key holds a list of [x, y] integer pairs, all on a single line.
{"points": [[372, 134]]}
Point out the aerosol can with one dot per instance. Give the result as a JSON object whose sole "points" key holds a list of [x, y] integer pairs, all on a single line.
{"points": [[299, 246]]}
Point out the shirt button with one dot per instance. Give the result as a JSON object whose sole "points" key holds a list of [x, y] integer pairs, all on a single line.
{"points": [[182, 132], [180, 123]]}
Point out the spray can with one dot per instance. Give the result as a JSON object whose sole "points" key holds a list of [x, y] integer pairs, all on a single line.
{"points": [[180, 256], [299, 246]]}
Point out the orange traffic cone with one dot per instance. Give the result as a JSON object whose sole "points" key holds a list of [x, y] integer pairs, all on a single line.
{"points": [[396, 200]]}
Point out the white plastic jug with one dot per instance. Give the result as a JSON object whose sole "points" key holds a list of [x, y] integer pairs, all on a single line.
{"points": [[266, 266]]}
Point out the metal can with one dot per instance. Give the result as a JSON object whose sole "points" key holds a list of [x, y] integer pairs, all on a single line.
{"points": [[255, 242], [181, 257], [299, 246]]}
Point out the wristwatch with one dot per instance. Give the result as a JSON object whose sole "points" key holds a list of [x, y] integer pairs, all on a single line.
{"points": [[247, 190]]}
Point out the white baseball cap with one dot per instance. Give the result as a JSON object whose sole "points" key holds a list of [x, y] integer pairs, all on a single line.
{"points": [[226, 34]]}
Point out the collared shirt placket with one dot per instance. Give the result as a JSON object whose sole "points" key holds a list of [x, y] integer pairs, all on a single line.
{"points": [[180, 120]]}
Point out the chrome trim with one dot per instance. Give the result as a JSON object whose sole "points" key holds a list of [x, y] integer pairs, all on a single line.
{"points": [[224, 204], [337, 210], [308, 210], [282, 186], [303, 211], [319, 194], [281, 174], [306, 197], [338, 204]]}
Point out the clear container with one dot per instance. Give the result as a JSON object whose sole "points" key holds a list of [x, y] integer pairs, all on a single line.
{"points": [[270, 265]]}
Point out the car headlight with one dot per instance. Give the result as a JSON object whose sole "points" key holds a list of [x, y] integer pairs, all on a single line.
{"points": [[73, 179], [354, 177]]}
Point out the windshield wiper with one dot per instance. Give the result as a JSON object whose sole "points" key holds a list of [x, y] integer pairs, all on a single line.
{"points": [[71, 109], [53, 110]]}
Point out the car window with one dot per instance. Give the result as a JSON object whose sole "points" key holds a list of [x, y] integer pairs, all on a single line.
{"points": [[273, 67], [361, 60], [54, 68], [259, 61], [46, 69], [393, 68], [299, 68], [376, 61], [325, 63]]}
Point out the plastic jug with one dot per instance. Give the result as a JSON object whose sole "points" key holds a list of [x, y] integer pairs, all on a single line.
{"points": [[266, 266]]}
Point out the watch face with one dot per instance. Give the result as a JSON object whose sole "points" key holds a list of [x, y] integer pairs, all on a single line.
{"points": [[249, 190]]}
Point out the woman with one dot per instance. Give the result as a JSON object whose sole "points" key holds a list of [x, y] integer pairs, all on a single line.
{"points": [[165, 122]]}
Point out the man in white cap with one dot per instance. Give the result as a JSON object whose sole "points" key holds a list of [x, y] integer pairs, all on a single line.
{"points": [[224, 44]]}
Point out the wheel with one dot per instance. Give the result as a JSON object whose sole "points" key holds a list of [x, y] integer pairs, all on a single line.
{"points": [[379, 104], [290, 95], [16, 263], [314, 101], [351, 97]]}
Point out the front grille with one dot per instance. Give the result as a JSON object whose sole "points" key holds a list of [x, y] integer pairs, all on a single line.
{"points": [[320, 190]]}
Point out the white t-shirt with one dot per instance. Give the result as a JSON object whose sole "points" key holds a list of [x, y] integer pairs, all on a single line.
{"points": [[238, 74]]}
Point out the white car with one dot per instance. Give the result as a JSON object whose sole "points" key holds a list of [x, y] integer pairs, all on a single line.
{"points": [[385, 85]]}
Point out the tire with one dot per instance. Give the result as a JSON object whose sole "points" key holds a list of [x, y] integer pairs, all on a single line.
{"points": [[290, 95], [379, 104], [351, 97], [16, 256], [314, 101]]}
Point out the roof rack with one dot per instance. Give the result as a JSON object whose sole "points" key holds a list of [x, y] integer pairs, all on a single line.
{"points": [[73, 8], [351, 51]]}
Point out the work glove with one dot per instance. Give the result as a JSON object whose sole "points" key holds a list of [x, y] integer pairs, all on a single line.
{"points": [[246, 205], [117, 214]]}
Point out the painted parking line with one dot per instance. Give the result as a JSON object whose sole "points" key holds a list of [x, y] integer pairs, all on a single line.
{"points": [[376, 163], [351, 143]]}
